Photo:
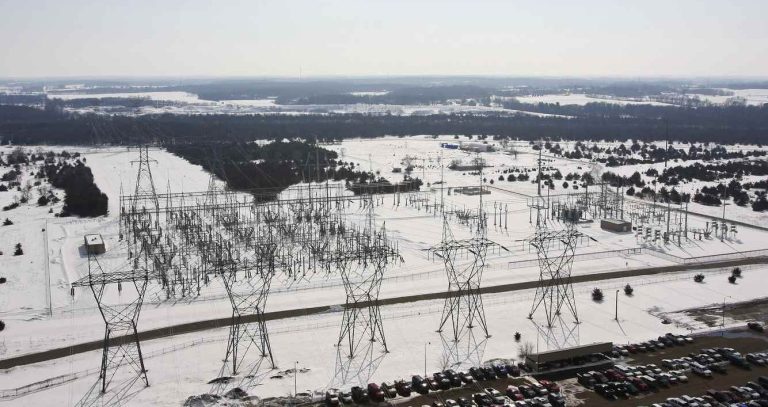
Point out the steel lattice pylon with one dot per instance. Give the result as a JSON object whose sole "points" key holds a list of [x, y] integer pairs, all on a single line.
{"points": [[248, 290], [120, 321], [555, 250], [464, 304], [145, 185]]}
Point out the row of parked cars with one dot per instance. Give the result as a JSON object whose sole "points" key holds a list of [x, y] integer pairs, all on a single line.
{"points": [[752, 394], [665, 341], [627, 381], [439, 381], [536, 394]]}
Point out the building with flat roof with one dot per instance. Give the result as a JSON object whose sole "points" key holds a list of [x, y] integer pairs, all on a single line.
{"points": [[616, 225], [94, 244], [568, 357]]}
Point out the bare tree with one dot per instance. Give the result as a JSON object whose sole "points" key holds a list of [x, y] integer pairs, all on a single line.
{"points": [[525, 349]]}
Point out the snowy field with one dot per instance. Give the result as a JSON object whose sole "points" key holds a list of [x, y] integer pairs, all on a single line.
{"points": [[40, 313], [581, 99]]}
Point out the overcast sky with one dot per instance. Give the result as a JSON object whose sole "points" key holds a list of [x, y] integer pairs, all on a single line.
{"points": [[386, 37]]}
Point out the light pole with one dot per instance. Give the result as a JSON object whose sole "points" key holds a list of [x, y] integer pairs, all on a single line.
{"points": [[722, 324], [425, 358], [722, 222], [295, 373], [617, 306]]}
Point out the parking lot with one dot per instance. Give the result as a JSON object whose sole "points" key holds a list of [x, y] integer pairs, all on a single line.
{"points": [[725, 354]]}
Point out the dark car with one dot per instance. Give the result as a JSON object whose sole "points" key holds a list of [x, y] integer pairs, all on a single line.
{"points": [[527, 391], [490, 374], [389, 390], [477, 373], [482, 399], [556, 400], [419, 385], [586, 379], [453, 377], [443, 383], [512, 369], [501, 370], [433, 385], [717, 368], [359, 395], [465, 402], [332, 398], [631, 389], [375, 392], [756, 326], [345, 397], [403, 388], [605, 391], [466, 378]]}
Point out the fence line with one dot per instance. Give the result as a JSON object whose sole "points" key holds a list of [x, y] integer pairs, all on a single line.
{"points": [[10, 394]]}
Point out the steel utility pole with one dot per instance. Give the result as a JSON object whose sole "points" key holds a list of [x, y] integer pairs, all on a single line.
{"points": [[617, 306], [538, 188], [295, 374], [722, 325]]}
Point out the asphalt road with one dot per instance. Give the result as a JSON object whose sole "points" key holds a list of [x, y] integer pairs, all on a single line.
{"points": [[224, 322]]}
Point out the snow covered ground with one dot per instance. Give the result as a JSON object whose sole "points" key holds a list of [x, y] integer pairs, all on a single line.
{"points": [[174, 375], [411, 338], [581, 99], [752, 97]]}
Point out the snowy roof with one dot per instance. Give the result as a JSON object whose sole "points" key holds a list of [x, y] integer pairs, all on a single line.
{"points": [[94, 239]]}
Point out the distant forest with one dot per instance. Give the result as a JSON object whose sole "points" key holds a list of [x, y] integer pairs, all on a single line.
{"points": [[598, 121], [275, 166]]}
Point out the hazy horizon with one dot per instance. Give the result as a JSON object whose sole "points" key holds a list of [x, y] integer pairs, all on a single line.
{"points": [[345, 38]]}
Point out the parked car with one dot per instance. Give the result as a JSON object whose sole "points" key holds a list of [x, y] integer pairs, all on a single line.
{"points": [[482, 399], [605, 390], [540, 389], [513, 370], [375, 393], [453, 377], [551, 386], [466, 378], [419, 385], [465, 402], [332, 397], [556, 400], [490, 374], [756, 326], [403, 388], [755, 359], [345, 397], [500, 370], [389, 390], [477, 373], [359, 395], [527, 391], [514, 393], [442, 382]]}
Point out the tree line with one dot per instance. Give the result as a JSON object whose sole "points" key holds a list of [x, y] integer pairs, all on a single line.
{"points": [[731, 124]]}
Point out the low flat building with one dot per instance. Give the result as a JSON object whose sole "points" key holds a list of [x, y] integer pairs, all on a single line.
{"points": [[94, 244], [568, 358], [616, 225]]}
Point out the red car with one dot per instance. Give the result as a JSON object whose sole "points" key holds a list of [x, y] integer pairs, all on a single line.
{"points": [[639, 383], [514, 393], [551, 386], [375, 392]]}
